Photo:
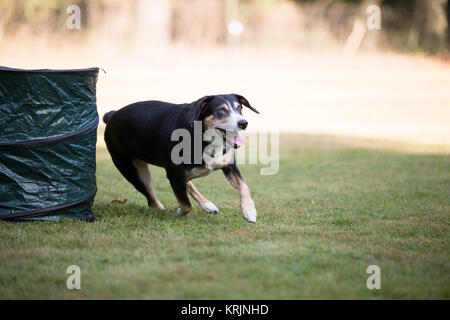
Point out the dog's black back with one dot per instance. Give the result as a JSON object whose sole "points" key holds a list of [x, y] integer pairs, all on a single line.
{"points": [[149, 124]]}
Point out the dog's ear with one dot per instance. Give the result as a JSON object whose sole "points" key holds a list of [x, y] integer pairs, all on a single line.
{"points": [[196, 109], [245, 102]]}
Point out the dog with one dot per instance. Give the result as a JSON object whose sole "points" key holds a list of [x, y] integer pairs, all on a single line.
{"points": [[142, 133]]}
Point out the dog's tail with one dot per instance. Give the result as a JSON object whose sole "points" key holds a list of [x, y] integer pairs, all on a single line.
{"points": [[108, 116]]}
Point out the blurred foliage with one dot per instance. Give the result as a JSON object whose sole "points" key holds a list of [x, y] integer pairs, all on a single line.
{"points": [[38, 16], [410, 25]]}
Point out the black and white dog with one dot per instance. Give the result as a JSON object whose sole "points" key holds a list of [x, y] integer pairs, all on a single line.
{"points": [[142, 133]]}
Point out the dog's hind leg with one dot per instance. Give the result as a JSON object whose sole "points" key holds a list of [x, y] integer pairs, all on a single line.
{"points": [[130, 172], [145, 178], [206, 205]]}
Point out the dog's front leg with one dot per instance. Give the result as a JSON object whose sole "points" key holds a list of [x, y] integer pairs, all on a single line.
{"points": [[178, 184], [206, 205], [235, 178]]}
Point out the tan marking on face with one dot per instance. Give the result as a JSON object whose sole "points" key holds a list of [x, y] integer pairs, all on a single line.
{"points": [[237, 106], [225, 106], [211, 122]]}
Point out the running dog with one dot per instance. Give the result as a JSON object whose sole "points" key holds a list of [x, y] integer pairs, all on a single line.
{"points": [[142, 133]]}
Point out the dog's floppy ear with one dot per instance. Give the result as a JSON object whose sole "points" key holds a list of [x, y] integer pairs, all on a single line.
{"points": [[196, 109], [245, 102]]}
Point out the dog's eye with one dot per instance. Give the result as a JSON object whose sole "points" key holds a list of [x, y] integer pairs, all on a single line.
{"points": [[222, 111], [239, 108]]}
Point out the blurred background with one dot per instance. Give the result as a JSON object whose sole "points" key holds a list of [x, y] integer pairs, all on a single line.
{"points": [[308, 66]]}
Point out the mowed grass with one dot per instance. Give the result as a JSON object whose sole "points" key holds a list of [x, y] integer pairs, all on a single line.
{"points": [[335, 207]]}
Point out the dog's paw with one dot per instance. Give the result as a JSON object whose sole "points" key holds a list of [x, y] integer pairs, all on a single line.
{"points": [[160, 206], [182, 211], [179, 212], [249, 214], [157, 205], [209, 207]]}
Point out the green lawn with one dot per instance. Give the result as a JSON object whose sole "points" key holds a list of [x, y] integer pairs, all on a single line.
{"points": [[335, 207]]}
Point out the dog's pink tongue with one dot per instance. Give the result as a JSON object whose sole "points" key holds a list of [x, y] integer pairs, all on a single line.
{"points": [[238, 140]]}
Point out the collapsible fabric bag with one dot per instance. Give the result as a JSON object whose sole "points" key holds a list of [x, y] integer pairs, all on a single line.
{"points": [[48, 132]]}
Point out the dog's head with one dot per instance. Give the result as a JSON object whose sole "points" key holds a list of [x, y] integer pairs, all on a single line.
{"points": [[223, 113]]}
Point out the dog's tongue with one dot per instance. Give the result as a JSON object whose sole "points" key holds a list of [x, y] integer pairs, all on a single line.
{"points": [[238, 140]]}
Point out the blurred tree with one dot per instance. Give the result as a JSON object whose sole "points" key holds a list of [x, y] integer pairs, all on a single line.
{"points": [[428, 26], [415, 24], [448, 24]]}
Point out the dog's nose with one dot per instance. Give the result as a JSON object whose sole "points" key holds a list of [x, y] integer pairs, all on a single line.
{"points": [[242, 124]]}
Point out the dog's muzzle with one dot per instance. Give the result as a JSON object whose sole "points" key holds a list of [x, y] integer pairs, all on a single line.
{"points": [[232, 136]]}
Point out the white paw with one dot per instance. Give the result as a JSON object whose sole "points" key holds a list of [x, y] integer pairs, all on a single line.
{"points": [[249, 214], [209, 207], [179, 212]]}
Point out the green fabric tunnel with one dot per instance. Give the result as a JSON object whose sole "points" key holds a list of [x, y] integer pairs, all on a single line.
{"points": [[48, 133]]}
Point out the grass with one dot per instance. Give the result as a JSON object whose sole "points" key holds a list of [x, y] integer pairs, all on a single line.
{"points": [[335, 207]]}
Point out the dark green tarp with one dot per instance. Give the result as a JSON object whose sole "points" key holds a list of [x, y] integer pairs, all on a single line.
{"points": [[48, 133]]}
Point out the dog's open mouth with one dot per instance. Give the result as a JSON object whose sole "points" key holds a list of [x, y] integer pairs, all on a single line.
{"points": [[232, 136]]}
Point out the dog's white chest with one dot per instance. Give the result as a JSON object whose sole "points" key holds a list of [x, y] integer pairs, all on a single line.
{"points": [[211, 164]]}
